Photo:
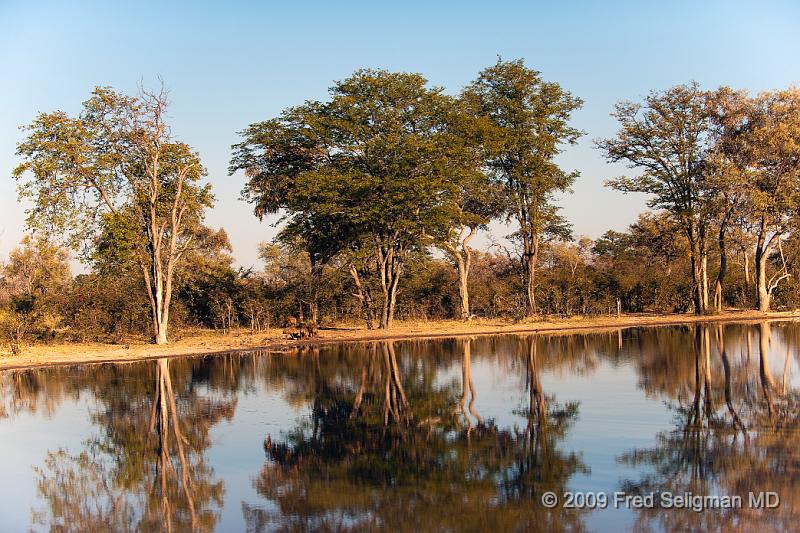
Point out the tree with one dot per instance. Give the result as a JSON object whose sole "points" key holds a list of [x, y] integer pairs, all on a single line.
{"points": [[117, 159], [723, 176], [374, 162], [31, 285], [667, 138], [273, 154], [473, 203], [761, 144], [528, 124]]}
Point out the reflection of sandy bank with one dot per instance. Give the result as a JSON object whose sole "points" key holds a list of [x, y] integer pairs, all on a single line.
{"points": [[209, 342]]}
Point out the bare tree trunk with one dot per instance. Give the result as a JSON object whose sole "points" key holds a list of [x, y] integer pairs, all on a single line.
{"points": [[389, 255], [530, 283], [704, 275], [696, 275], [163, 253], [530, 259], [762, 294], [746, 269], [316, 283], [461, 254], [723, 266], [699, 261], [364, 297], [764, 247]]}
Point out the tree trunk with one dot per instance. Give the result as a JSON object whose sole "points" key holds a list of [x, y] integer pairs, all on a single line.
{"points": [[395, 279], [746, 269], [316, 283], [163, 254], [161, 333], [461, 255], [703, 268], [697, 258], [364, 297], [463, 291], [389, 255], [723, 267], [762, 293], [529, 261], [159, 302]]}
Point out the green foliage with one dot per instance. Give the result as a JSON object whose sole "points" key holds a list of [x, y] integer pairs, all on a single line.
{"points": [[526, 121], [113, 176], [32, 287]]}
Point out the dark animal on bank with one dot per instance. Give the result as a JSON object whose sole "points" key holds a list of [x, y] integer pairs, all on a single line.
{"points": [[297, 329]]}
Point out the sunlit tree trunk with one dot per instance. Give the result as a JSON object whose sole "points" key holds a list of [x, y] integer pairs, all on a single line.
{"points": [[461, 254], [723, 265], [530, 259], [364, 297], [390, 253], [762, 294], [764, 247], [699, 264]]}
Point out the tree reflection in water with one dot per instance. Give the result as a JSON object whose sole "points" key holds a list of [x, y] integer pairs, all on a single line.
{"points": [[748, 444], [401, 435], [388, 450], [146, 470]]}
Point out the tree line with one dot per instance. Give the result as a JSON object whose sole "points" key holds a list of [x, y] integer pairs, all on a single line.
{"points": [[380, 190]]}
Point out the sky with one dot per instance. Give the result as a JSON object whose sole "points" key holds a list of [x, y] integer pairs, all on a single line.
{"points": [[230, 64]]}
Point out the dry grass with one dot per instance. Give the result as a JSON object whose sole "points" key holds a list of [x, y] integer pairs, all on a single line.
{"points": [[209, 341]]}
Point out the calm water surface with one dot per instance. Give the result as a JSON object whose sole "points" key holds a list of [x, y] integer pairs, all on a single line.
{"points": [[451, 435]]}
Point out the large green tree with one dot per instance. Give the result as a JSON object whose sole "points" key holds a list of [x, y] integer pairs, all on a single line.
{"points": [[473, 202], [528, 124], [375, 164], [117, 162]]}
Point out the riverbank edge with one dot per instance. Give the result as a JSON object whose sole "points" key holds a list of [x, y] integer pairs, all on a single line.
{"points": [[211, 343]]}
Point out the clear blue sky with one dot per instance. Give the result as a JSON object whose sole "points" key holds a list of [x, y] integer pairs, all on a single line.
{"points": [[233, 63]]}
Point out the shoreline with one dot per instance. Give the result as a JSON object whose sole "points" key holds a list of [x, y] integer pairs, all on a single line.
{"points": [[210, 342]]}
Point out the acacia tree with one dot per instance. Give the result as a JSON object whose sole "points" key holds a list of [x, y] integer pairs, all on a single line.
{"points": [[667, 138], [374, 163], [527, 120], [473, 201], [117, 162], [272, 154], [762, 145]]}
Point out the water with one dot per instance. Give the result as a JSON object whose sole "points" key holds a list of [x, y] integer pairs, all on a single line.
{"points": [[446, 435]]}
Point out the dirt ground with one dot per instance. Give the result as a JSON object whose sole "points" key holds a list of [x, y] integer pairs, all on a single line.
{"points": [[198, 342]]}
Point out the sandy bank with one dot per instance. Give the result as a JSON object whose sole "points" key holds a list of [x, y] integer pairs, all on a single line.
{"points": [[209, 342]]}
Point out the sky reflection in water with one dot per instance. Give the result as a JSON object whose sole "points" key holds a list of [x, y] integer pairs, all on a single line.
{"points": [[462, 434]]}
